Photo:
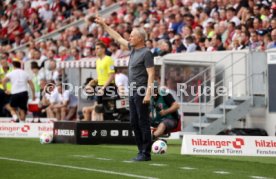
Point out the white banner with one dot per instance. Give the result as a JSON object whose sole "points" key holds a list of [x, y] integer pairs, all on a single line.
{"points": [[25, 130], [228, 145], [28, 120], [271, 58]]}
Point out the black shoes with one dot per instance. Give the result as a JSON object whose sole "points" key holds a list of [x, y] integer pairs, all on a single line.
{"points": [[141, 157]]}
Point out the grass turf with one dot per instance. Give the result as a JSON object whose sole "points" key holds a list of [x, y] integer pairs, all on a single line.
{"points": [[87, 156]]}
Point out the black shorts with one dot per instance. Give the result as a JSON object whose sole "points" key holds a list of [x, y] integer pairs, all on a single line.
{"points": [[20, 100], [110, 91], [170, 124]]}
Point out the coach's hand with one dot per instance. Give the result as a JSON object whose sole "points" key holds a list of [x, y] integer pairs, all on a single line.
{"points": [[146, 99], [99, 20]]}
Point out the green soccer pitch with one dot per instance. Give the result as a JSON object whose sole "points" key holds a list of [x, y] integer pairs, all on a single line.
{"points": [[28, 159]]}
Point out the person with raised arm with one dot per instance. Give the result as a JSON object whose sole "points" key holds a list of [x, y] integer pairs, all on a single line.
{"points": [[141, 77]]}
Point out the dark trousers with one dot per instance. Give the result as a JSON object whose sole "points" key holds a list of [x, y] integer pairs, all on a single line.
{"points": [[139, 117], [4, 100], [2, 104]]}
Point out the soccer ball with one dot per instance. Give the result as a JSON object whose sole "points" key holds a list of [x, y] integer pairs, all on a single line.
{"points": [[159, 147], [46, 138]]}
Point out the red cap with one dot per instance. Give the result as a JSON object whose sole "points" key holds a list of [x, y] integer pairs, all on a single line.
{"points": [[106, 40]]}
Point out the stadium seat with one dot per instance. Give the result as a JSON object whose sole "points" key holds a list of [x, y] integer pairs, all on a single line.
{"points": [[178, 127]]}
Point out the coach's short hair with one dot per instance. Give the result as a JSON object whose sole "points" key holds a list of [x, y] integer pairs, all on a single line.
{"points": [[142, 33]]}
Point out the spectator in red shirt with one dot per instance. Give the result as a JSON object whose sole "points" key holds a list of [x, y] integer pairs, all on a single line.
{"points": [[28, 10], [9, 9], [4, 21], [114, 18], [14, 30], [34, 23]]}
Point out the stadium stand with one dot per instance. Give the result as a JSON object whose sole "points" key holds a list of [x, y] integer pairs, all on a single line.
{"points": [[200, 24]]}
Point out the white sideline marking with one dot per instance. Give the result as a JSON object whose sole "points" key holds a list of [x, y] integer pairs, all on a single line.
{"points": [[158, 164], [128, 161], [222, 172], [79, 168], [103, 158], [187, 168], [91, 156], [84, 156], [258, 177]]}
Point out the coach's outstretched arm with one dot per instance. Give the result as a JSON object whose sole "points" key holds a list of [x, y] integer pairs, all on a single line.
{"points": [[115, 35]]}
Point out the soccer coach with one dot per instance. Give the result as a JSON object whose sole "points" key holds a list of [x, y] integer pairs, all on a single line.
{"points": [[141, 77]]}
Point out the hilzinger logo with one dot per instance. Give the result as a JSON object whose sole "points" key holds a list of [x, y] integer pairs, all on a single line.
{"points": [[265, 143], [25, 128], [237, 144], [9, 129]]}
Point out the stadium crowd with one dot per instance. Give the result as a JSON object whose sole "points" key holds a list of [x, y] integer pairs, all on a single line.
{"points": [[173, 26]]}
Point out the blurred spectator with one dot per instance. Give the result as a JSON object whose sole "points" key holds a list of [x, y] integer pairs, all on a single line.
{"points": [[149, 44], [231, 16], [174, 23], [63, 104], [177, 43], [190, 45], [217, 43], [5, 108], [201, 44], [123, 52], [114, 49], [34, 23], [254, 41], [19, 90], [74, 54], [46, 13], [4, 21], [244, 40], [15, 29], [5, 68], [165, 47], [163, 32], [52, 72], [272, 44], [230, 33], [36, 78], [121, 81]]}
